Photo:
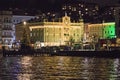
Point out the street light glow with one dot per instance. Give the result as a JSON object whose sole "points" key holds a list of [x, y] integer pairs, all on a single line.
{"points": [[24, 23]]}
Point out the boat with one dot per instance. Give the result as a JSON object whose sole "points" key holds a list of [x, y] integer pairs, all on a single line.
{"points": [[54, 51], [105, 54]]}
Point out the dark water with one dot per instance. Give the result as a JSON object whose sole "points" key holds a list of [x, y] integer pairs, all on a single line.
{"points": [[59, 68]]}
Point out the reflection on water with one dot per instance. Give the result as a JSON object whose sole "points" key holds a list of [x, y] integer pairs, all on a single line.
{"points": [[59, 68]]}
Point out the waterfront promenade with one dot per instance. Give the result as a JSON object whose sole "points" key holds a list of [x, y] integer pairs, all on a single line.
{"points": [[105, 54]]}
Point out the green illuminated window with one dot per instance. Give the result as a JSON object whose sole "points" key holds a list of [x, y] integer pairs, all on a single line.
{"points": [[109, 30]]}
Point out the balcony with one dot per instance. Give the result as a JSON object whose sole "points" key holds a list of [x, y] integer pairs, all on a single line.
{"points": [[7, 29], [7, 36]]}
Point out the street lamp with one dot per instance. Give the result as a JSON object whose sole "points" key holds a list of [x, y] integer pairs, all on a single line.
{"points": [[24, 23]]}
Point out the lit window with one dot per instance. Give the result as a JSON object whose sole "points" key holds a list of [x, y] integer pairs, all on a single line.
{"points": [[63, 8], [80, 12], [110, 13], [53, 15], [69, 7], [86, 13], [81, 5], [74, 8], [48, 13], [86, 9], [69, 13]]}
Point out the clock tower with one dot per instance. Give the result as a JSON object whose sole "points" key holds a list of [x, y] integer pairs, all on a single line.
{"points": [[66, 20], [66, 28]]}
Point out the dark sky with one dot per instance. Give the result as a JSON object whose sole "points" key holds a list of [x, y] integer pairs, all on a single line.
{"points": [[46, 4], [104, 2]]}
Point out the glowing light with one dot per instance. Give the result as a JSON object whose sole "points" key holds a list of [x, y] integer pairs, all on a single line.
{"points": [[24, 22]]}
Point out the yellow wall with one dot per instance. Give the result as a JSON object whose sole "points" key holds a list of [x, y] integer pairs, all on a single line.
{"points": [[59, 33], [95, 29]]}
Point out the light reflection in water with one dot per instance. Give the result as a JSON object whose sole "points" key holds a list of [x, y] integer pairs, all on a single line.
{"points": [[59, 68], [115, 67], [26, 63], [24, 76], [63, 61]]}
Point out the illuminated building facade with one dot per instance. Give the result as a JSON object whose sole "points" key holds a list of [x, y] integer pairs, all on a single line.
{"points": [[7, 29], [102, 30], [54, 33]]}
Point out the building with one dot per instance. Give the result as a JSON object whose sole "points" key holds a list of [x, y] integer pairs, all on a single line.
{"points": [[102, 30], [53, 33], [8, 23], [7, 29], [21, 18], [100, 33]]}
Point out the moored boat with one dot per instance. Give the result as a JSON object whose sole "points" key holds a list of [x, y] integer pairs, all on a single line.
{"points": [[106, 54]]}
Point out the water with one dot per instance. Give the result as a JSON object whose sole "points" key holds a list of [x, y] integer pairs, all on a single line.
{"points": [[59, 68]]}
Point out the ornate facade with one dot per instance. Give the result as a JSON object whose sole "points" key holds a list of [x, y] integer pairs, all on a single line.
{"points": [[56, 33]]}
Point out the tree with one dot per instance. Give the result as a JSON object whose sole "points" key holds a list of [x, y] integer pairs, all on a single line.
{"points": [[95, 43], [71, 40], [25, 39]]}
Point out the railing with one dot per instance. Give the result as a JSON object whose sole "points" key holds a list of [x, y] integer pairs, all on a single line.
{"points": [[7, 36], [7, 29]]}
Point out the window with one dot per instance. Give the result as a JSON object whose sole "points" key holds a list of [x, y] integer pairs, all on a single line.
{"points": [[17, 21], [74, 34], [34, 34], [14, 21], [66, 34], [105, 32], [7, 20]]}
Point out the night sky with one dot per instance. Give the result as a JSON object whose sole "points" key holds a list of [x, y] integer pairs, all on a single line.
{"points": [[46, 4], [103, 2]]}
